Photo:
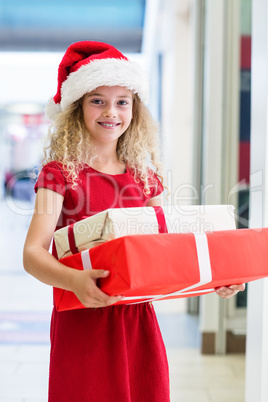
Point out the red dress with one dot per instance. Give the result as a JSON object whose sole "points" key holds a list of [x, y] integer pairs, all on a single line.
{"points": [[111, 354]]}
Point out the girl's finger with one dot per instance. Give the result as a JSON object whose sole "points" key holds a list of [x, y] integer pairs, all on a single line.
{"points": [[239, 288]]}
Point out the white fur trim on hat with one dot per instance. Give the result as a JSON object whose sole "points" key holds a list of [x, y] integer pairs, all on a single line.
{"points": [[52, 109], [100, 72]]}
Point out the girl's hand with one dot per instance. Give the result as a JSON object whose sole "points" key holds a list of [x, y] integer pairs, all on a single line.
{"points": [[228, 291], [85, 287]]}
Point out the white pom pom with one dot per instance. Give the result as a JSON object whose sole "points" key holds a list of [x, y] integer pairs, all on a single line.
{"points": [[52, 109]]}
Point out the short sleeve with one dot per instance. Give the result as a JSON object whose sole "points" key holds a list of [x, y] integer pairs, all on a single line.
{"points": [[52, 178], [156, 187]]}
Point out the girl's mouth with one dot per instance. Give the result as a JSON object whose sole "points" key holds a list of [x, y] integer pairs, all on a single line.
{"points": [[109, 125]]}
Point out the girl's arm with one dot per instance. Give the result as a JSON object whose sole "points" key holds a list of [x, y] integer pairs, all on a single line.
{"points": [[157, 201], [225, 291], [42, 265]]}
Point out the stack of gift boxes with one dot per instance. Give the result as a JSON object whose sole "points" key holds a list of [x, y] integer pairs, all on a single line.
{"points": [[156, 253]]}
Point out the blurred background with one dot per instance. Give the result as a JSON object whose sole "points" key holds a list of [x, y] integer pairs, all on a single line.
{"points": [[198, 56]]}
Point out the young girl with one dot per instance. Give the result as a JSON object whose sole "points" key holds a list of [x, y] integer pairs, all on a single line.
{"points": [[101, 140]]}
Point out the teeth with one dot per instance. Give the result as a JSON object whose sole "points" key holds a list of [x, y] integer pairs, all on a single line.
{"points": [[108, 125]]}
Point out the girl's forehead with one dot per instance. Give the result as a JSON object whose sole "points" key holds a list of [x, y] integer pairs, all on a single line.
{"points": [[112, 91]]}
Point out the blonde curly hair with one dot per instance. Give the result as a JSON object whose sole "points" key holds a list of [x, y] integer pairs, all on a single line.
{"points": [[69, 142]]}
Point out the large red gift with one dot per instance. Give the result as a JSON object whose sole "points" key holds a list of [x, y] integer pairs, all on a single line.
{"points": [[164, 266]]}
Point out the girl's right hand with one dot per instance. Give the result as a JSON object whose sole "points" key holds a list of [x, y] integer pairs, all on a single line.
{"points": [[43, 266], [84, 285]]}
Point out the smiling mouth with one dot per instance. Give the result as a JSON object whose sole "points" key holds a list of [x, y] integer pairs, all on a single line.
{"points": [[111, 125]]}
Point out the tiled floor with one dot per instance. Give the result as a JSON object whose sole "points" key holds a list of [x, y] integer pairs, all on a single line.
{"points": [[197, 378], [25, 307], [194, 378]]}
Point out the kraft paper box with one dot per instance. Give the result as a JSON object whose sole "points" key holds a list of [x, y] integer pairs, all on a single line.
{"points": [[166, 266], [118, 222]]}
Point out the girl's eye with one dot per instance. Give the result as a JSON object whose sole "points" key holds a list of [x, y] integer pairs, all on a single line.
{"points": [[97, 101], [122, 103]]}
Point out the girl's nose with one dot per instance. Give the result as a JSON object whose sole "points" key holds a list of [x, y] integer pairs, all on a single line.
{"points": [[110, 111]]}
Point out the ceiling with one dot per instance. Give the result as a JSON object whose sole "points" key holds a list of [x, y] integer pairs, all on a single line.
{"points": [[52, 25]]}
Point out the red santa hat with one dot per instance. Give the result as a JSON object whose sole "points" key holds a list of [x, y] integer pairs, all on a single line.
{"points": [[87, 65]]}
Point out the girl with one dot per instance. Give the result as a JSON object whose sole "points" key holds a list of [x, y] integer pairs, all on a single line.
{"points": [[100, 141]]}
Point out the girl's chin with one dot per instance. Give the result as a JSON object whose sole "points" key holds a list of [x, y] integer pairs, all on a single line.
{"points": [[105, 140]]}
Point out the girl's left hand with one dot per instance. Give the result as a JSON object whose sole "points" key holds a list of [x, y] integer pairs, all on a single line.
{"points": [[228, 291]]}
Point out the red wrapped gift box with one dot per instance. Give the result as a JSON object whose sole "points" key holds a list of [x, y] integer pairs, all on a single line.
{"points": [[164, 266]]}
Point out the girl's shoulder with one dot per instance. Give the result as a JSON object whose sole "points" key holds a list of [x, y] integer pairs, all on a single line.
{"points": [[53, 177], [53, 165], [154, 182], [148, 180]]}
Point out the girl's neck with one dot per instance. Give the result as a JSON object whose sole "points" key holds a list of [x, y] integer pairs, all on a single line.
{"points": [[108, 164], [106, 160]]}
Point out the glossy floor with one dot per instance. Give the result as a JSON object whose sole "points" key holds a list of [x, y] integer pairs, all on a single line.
{"points": [[193, 377]]}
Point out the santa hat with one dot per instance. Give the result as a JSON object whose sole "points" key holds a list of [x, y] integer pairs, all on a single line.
{"points": [[87, 65]]}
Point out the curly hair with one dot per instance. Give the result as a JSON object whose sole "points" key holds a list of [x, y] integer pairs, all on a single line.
{"points": [[69, 142]]}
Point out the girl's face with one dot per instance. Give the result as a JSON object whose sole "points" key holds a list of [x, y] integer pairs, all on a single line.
{"points": [[107, 113]]}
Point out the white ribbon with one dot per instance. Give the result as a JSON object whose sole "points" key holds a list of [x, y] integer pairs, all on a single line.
{"points": [[86, 261], [204, 270]]}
